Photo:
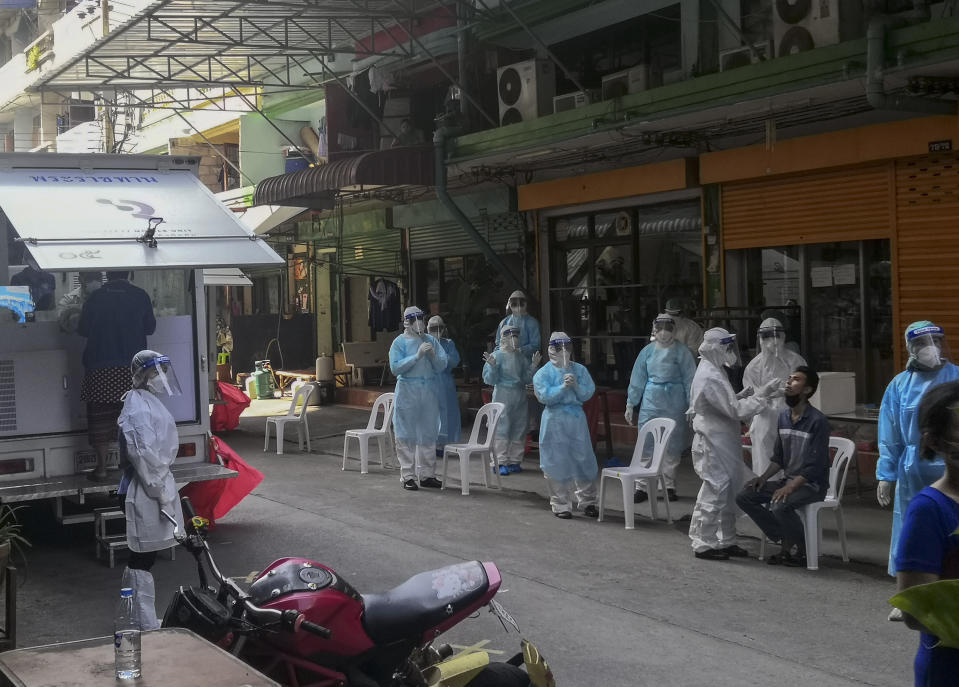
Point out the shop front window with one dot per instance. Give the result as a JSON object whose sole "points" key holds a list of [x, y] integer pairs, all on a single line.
{"points": [[612, 273], [835, 298]]}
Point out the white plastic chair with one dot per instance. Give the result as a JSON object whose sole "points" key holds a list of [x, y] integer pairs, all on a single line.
{"points": [[845, 450], [380, 432], [300, 398], [490, 414], [660, 429]]}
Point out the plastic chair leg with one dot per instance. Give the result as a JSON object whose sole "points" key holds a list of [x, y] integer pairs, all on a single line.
{"points": [[280, 428], [364, 454], [762, 547], [629, 508], [266, 436], [464, 473], [841, 527], [652, 491], [812, 530], [346, 438], [601, 504], [493, 468], [669, 517], [445, 456], [306, 432]]}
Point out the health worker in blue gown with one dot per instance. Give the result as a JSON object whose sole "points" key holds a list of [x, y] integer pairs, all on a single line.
{"points": [[451, 429], [565, 447], [529, 335], [417, 359], [659, 386]]}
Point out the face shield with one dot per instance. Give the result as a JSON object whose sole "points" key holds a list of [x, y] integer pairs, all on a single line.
{"points": [[413, 321], [516, 304], [560, 350], [509, 338], [772, 337], [927, 346], [664, 327], [436, 327], [720, 348], [154, 373]]}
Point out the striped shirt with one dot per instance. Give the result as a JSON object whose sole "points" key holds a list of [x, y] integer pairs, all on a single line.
{"points": [[802, 447]]}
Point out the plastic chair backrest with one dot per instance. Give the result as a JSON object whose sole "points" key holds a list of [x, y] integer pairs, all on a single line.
{"points": [[302, 395], [659, 429], [490, 412], [384, 401], [840, 466]]}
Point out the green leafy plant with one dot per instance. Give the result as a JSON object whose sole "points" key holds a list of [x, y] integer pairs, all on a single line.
{"points": [[33, 58], [12, 531]]}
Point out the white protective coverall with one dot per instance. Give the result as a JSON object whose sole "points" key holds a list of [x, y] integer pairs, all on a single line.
{"points": [[774, 361], [149, 442], [686, 330], [417, 359], [717, 443]]}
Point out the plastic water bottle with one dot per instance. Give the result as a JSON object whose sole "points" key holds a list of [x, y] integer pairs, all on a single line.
{"points": [[126, 637]]}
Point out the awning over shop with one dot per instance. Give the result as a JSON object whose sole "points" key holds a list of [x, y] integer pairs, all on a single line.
{"points": [[225, 276], [262, 218], [316, 187], [99, 220]]}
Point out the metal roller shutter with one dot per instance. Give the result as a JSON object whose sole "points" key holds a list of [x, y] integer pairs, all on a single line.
{"points": [[372, 254], [927, 212], [849, 205], [504, 232]]}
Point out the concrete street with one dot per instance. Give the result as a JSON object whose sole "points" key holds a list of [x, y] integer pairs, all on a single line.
{"points": [[606, 606]]}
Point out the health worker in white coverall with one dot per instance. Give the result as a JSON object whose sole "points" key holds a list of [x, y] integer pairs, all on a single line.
{"points": [[565, 446], [508, 371], [687, 331], [659, 386], [774, 361], [148, 446], [529, 335], [451, 424], [718, 414], [417, 359]]}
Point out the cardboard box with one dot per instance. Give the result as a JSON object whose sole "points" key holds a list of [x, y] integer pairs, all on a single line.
{"points": [[836, 393]]}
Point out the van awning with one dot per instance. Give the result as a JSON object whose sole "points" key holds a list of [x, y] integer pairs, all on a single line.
{"points": [[73, 219], [316, 188]]}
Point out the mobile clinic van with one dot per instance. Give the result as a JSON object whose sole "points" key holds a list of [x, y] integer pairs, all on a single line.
{"points": [[71, 214]]}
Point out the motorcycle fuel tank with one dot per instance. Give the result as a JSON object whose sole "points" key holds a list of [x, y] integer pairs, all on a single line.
{"points": [[323, 597]]}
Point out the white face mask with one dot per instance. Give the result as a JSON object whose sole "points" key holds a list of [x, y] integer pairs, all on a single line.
{"points": [[509, 343], [664, 337], [928, 357], [771, 346], [561, 359], [730, 360]]}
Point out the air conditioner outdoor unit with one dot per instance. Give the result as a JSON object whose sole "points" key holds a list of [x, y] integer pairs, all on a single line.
{"points": [[802, 25], [618, 84], [570, 101], [740, 57], [525, 90]]}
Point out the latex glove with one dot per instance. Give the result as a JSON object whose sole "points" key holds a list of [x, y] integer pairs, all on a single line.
{"points": [[884, 492], [629, 414], [690, 414], [425, 347], [535, 360], [489, 358], [771, 389], [746, 393], [569, 381]]}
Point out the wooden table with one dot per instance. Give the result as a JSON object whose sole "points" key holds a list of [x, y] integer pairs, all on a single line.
{"points": [[171, 656], [287, 377]]}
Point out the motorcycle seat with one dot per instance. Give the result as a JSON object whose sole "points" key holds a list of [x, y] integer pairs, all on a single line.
{"points": [[423, 602]]}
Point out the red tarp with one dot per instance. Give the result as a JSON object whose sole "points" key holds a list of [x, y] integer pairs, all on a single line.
{"points": [[226, 416], [214, 498]]}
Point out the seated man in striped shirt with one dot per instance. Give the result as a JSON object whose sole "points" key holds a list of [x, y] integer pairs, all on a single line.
{"points": [[801, 452]]}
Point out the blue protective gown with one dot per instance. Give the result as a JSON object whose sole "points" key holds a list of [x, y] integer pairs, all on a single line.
{"points": [[565, 447], [529, 336], [509, 377], [659, 386], [451, 425], [899, 442], [416, 410]]}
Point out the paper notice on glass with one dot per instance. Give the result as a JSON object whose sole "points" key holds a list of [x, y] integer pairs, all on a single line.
{"points": [[844, 274], [820, 276]]}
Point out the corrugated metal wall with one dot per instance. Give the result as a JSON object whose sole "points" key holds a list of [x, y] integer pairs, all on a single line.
{"points": [[927, 223], [372, 254], [504, 232], [848, 205]]}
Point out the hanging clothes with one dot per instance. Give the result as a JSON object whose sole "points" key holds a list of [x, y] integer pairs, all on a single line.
{"points": [[385, 311]]}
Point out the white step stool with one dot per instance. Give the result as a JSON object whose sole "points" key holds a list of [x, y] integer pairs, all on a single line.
{"points": [[110, 543]]}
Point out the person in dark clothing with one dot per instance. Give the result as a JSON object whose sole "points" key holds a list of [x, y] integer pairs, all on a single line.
{"points": [[116, 320], [801, 452], [43, 285]]}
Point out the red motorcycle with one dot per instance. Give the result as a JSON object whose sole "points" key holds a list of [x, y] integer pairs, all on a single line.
{"points": [[305, 626]]}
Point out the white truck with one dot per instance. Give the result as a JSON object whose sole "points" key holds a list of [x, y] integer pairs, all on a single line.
{"points": [[68, 214]]}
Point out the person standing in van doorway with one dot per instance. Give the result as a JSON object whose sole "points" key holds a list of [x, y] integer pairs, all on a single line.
{"points": [[116, 320]]}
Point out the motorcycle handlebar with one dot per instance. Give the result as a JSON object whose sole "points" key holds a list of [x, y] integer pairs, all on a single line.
{"points": [[290, 620]]}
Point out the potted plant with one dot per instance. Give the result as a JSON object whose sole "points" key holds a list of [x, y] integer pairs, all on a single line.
{"points": [[12, 541]]}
